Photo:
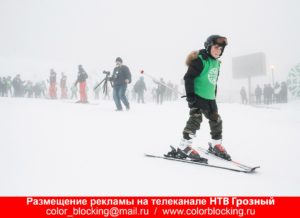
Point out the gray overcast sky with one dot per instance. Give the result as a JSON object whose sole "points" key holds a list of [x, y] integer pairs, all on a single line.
{"points": [[154, 35]]}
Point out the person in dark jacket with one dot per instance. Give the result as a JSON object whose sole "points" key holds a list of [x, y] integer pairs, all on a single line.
{"points": [[243, 94], [121, 77], [284, 92], [81, 79], [201, 86], [160, 91], [17, 84], [258, 93], [140, 88]]}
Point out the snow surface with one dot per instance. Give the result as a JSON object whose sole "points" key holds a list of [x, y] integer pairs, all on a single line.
{"points": [[53, 147]]}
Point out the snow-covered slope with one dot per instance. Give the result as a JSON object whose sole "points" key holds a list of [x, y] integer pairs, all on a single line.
{"points": [[61, 148]]}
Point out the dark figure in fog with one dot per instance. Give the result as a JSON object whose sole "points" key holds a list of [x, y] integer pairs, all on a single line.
{"points": [[258, 93], [63, 86], [29, 89], [9, 85], [284, 93], [140, 88], [244, 96], [268, 94], [17, 84], [160, 91], [4, 87]]}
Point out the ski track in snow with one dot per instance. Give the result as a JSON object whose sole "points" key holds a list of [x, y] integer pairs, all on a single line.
{"points": [[51, 147]]}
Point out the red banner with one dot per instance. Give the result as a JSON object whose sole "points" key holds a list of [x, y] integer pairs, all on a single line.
{"points": [[149, 207]]}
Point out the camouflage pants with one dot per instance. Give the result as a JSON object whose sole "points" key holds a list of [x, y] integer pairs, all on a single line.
{"points": [[195, 119]]}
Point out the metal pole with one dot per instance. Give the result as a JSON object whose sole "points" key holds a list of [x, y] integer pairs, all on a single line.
{"points": [[151, 77]]}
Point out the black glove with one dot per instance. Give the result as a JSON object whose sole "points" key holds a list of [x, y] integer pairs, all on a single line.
{"points": [[191, 99]]}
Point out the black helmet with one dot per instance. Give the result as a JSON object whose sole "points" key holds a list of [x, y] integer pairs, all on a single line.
{"points": [[215, 40]]}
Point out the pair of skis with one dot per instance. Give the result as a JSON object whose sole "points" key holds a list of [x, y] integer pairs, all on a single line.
{"points": [[240, 167]]}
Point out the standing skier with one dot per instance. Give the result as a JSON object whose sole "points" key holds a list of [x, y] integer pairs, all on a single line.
{"points": [[63, 86], [52, 87], [139, 89], [201, 86], [81, 79]]}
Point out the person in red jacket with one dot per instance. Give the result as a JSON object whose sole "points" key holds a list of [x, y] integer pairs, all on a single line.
{"points": [[63, 86], [52, 88], [81, 79]]}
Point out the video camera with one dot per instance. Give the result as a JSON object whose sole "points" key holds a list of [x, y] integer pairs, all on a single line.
{"points": [[106, 72]]}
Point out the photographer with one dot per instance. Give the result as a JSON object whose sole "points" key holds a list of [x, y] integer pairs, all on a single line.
{"points": [[120, 78]]}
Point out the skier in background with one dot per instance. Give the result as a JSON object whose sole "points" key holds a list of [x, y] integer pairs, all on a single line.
{"points": [[81, 79], [160, 91], [63, 86], [140, 88], [17, 84], [243, 95], [284, 93], [201, 86], [258, 93], [52, 87]]}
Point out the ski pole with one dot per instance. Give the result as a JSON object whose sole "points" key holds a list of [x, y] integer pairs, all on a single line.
{"points": [[157, 81]]}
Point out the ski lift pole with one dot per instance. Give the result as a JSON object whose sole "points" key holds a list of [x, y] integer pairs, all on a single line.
{"points": [[157, 81]]}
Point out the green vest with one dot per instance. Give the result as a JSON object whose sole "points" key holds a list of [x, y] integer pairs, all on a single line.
{"points": [[205, 84]]}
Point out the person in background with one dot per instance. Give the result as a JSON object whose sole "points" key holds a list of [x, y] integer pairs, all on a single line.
{"points": [[52, 87], [63, 86], [244, 95], [121, 77], [81, 79]]}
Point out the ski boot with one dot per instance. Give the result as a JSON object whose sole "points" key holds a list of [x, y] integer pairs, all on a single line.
{"points": [[217, 149], [190, 153], [185, 149]]}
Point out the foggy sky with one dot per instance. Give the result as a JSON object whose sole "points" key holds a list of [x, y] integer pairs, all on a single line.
{"points": [[154, 35]]}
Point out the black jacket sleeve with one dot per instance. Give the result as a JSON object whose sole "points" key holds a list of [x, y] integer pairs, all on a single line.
{"points": [[193, 71], [128, 74]]}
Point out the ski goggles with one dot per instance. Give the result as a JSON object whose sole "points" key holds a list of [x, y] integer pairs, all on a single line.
{"points": [[221, 41]]}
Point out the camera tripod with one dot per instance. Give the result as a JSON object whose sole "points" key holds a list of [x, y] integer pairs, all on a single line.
{"points": [[104, 87]]}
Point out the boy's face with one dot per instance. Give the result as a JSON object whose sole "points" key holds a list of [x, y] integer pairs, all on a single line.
{"points": [[216, 51]]}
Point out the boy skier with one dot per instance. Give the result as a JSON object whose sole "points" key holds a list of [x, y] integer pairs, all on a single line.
{"points": [[201, 86]]}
